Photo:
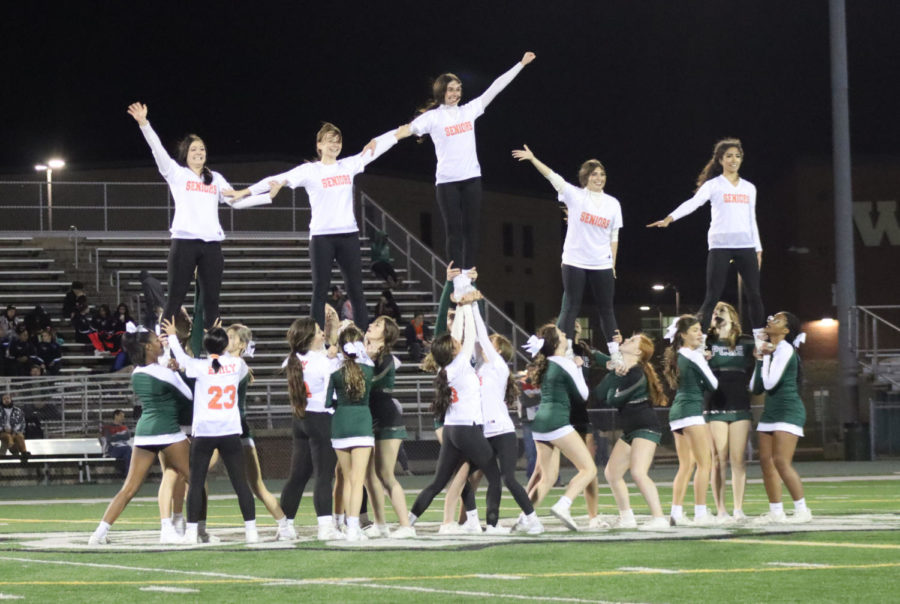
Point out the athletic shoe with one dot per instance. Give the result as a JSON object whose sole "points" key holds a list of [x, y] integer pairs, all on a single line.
{"points": [[522, 525], [535, 527], [683, 521], [564, 516], [356, 534], [800, 517], [403, 532], [251, 536], [286, 533], [451, 528], [659, 523], [329, 532], [623, 523], [168, 536], [706, 520], [597, 522], [769, 518], [373, 531], [190, 537], [498, 529], [739, 516], [471, 527], [98, 540], [179, 526], [205, 537]]}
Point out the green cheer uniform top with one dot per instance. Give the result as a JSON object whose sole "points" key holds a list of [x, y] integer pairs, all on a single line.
{"points": [[351, 418], [733, 368], [694, 378], [630, 394], [562, 384], [242, 407], [163, 395], [387, 417], [776, 375]]}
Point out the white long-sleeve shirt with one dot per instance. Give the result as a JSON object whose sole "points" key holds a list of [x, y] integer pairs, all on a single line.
{"points": [[494, 375], [452, 130], [773, 365], [594, 223], [196, 203], [317, 368], [465, 387], [733, 213], [330, 187]]}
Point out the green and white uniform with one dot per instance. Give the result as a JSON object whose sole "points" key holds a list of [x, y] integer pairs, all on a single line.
{"points": [[630, 394], [351, 425], [246, 437], [387, 416], [561, 384], [440, 328], [733, 368], [694, 378], [163, 395], [776, 375]]}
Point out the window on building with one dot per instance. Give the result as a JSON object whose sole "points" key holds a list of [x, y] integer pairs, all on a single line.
{"points": [[527, 241], [509, 307], [508, 243]]}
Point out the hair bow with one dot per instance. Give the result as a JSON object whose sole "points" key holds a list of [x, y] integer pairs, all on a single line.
{"points": [[130, 327], [533, 345], [671, 331], [800, 339], [355, 349], [250, 350]]}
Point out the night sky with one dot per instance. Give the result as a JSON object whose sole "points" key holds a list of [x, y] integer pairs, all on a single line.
{"points": [[647, 87]]}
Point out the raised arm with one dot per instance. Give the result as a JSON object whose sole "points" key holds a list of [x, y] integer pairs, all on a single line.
{"points": [[503, 81], [440, 324], [379, 145], [526, 154], [464, 331], [699, 198], [484, 339], [164, 161]]}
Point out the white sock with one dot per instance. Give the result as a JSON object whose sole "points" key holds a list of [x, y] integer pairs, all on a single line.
{"points": [[800, 505], [166, 523], [102, 529], [282, 522], [627, 514], [250, 525], [677, 511], [472, 516], [776, 508], [323, 520], [699, 511], [564, 502], [290, 521], [339, 520], [191, 527], [531, 517], [352, 522], [412, 519], [177, 518]]}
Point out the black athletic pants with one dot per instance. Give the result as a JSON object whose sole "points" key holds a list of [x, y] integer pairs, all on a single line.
{"points": [[184, 256], [460, 205], [312, 451], [463, 443], [232, 453], [747, 264], [603, 286], [504, 446], [345, 248]]}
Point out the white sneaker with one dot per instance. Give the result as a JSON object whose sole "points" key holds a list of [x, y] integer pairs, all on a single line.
{"points": [[96, 539], [168, 536], [286, 533], [451, 528], [659, 523], [522, 524], [373, 531], [190, 537], [564, 516], [769, 518], [329, 532], [535, 527], [179, 526], [471, 527], [739, 516], [800, 517], [597, 522], [725, 519], [623, 523], [403, 532], [251, 536], [205, 537], [706, 520], [499, 529], [683, 521], [356, 534]]}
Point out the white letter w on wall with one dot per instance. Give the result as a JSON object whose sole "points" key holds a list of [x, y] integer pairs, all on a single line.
{"points": [[885, 222]]}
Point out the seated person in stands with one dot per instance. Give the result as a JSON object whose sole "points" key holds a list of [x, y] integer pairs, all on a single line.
{"points": [[105, 324], [12, 429], [4, 347], [9, 321], [387, 306], [37, 320], [122, 317], [382, 263], [48, 354], [115, 438], [20, 354], [418, 338], [36, 415], [85, 332], [69, 306]]}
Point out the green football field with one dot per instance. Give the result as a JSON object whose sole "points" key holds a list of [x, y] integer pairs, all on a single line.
{"points": [[851, 552]]}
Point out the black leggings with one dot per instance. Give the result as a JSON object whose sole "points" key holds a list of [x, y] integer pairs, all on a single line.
{"points": [[463, 443], [232, 453], [207, 258], [747, 264], [460, 205], [603, 286], [345, 248], [312, 451], [507, 453]]}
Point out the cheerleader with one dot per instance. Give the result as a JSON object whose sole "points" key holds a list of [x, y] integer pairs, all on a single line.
{"points": [[216, 425], [334, 234], [733, 234], [728, 415], [778, 373], [634, 389], [308, 369], [351, 427], [591, 245], [458, 178], [161, 393], [196, 233], [561, 381], [388, 427], [688, 372], [458, 400]]}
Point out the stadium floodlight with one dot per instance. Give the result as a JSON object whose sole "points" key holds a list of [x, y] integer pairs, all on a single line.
{"points": [[52, 164]]}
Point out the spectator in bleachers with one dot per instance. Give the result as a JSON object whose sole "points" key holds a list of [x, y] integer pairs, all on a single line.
{"points": [[418, 338], [85, 332], [37, 320], [115, 438], [122, 317], [20, 354], [48, 353], [9, 321], [382, 263], [36, 416], [387, 306], [70, 302], [4, 347], [105, 324], [154, 299], [12, 429]]}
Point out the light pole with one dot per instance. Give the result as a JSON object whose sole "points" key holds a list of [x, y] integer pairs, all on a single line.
{"points": [[658, 287], [49, 167], [662, 328]]}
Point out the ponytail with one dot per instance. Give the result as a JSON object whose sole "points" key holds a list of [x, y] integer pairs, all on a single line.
{"points": [[296, 386], [215, 342], [670, 359], [351, 372], [442, 393]]}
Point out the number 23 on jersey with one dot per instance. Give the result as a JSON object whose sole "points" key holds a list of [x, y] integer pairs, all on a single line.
{"points": [[222, 398]]}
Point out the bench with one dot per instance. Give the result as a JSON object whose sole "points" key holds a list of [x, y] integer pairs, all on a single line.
{"points": [[59, 451]]}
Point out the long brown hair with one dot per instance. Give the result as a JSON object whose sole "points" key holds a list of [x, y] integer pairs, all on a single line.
{"points": [[713, 167], [506, 351], [184, 146], [354, 379], [735, 319], [299, 337], [439, 91], [670, 361], [654, 386], [390, 335], [441, 356], [551, 340]]}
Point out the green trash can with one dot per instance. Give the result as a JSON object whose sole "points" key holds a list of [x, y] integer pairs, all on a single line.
{"points": [[856, 442]]}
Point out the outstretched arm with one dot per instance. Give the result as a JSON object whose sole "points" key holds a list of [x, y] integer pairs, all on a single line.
{"points": [[380, 145], [526, 154], [699, 198], [239, 202], [164, 161], [503, 81]]}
